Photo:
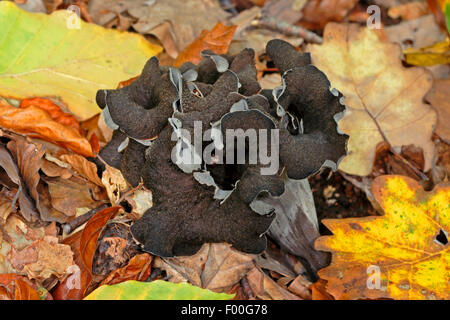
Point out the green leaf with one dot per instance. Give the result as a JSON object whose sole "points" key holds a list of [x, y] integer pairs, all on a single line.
{"points": [[447, 15], [155, 290], [47, 56]]}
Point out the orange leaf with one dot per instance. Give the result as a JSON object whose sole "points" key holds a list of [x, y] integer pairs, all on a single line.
{"points": [[138, 268], [54, 111], [217, 39], [19, 287], [91, 232], [36, 122]]}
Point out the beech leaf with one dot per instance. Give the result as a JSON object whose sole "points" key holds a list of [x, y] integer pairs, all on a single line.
{"points": [[41, 56], [155, 290]]}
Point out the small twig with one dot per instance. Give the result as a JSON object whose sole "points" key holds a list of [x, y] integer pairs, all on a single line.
{"points": [[80, 220], [286, 29]]}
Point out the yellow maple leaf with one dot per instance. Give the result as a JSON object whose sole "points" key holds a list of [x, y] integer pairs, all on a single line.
{"points": [[401, 255], [383, 98]]}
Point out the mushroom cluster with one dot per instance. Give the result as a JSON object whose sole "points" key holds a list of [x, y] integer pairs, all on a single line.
{"points": [[209, 199]]}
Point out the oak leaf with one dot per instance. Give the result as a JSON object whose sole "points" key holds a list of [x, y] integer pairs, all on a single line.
{"points": [[401, 255], [383, 98]]}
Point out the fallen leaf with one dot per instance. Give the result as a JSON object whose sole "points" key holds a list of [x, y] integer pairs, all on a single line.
{"points": [[383, 98], [438, 53], [217, 40], [36, 122], [409, 11], [216, 267], [34, 252], [55, 112], [27, 206], [48, 56], [401, 255], [114, 183], [155, 290], [439, 99], [115, 248], [83, 166], [91, 232], [267, 289], [140, 201], [43, 258], [17, 287], [186, 22], [138, 268], [415, 33], [80, 194], [317, 13], [300, 287]]}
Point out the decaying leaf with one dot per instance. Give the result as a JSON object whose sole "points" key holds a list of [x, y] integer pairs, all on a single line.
{"points": [[267, 289], [216, 267], [41, 57], [401, 255], [383, 99], [155, 290], [138, 268], [34, 252], [114, 183], [181, 24], [439, 99], [217, 40]]}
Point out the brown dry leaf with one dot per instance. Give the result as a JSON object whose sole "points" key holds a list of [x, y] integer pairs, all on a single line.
{"points": [[36, 122], [51, 169], [43, 258], [383, 98], [439, 97], [217, 40], [34, 252], [409, 11], [83, 166], [140, 201], [80, 194], [16, 287], [216, 267], [267, 289], [5, 207], [317, 13], [187, 18], [138, 268], [114, 183], [247, 37], [300, 286], [27, 206], [415, 33]]}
